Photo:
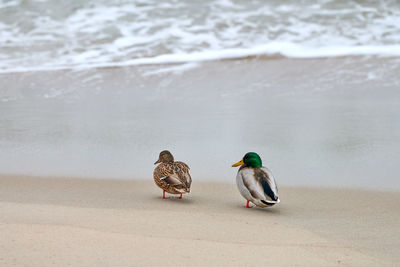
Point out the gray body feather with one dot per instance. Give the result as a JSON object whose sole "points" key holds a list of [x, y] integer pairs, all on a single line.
{"points": [[257, 185]]}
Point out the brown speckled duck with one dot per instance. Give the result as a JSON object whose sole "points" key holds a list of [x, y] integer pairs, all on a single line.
{"points": [[172, 176]]}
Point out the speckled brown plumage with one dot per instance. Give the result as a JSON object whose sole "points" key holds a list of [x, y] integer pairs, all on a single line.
{"points": [[172, 176]]}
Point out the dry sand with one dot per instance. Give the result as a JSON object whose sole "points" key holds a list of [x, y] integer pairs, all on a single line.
{"points": [[60, 222]]}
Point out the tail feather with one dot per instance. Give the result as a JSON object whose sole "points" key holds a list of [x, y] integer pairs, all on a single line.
{"points": [[182, 189], [270, 202]]}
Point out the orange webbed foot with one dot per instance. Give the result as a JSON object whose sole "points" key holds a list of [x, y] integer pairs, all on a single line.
{"points": [[248, 204]]}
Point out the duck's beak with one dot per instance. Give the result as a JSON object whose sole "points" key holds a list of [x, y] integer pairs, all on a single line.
{"points": [[158, 161], [238, 163]]}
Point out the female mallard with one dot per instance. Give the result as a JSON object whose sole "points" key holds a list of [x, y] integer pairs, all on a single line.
{"points": [[255, 182], [172, 176]]}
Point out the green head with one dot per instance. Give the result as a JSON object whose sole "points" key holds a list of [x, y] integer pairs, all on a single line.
{"points": [[251, 159]]}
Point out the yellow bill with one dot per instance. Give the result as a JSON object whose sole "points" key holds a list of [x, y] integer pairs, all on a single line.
{"points": [[238, 163]]}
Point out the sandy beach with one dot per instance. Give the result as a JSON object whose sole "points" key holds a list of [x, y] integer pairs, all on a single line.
{"points": [[91, 92], [88, 222]]}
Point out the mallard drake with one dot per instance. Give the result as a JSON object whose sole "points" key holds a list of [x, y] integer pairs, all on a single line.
{"points": [[172, 176], [255, 182]]}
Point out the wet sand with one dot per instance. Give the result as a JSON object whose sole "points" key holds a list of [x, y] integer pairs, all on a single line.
{"points": [[65, 221], [314, 122]]}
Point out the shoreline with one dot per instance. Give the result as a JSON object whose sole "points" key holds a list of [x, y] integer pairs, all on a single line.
{"points": [[86, 221], [205, 181]]}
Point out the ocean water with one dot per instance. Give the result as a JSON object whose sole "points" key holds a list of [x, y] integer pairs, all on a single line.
{"points": [[99, 88], [48, 35]]}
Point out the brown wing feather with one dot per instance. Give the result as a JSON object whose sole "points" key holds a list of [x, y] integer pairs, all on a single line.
{"points": [[182, 170], [265, 182]]}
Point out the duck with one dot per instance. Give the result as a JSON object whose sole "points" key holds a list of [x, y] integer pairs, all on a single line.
{"points": [[172, 176], [255, 182]]}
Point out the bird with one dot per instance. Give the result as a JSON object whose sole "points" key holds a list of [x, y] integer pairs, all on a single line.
{"points": [[172, 176], [255, 182]]}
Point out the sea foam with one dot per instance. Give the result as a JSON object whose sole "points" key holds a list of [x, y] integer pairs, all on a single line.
{"points": [[45, 36]]}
